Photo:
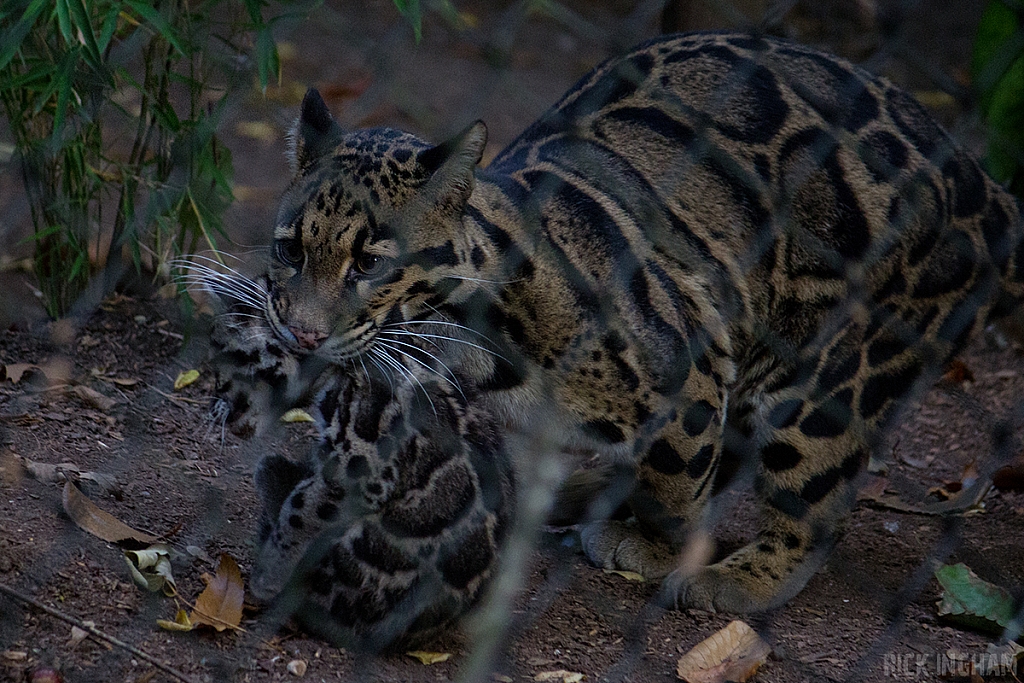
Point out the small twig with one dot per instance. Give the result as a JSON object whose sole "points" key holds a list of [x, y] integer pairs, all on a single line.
{"points": [[168, 333], [95, 632], [178, 398]]}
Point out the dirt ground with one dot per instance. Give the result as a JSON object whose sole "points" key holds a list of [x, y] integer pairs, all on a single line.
{"points": [[860, 618]]}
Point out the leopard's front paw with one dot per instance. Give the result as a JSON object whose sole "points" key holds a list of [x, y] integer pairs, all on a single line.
{"points": [[714, 589], [621, 545]]}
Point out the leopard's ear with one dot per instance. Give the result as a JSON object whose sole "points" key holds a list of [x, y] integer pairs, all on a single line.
{"points": [[314, 133], [452, 163]]}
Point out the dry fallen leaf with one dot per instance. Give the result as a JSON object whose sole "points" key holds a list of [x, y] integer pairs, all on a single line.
{"points": [[93, 398], [181, 622], [1011, 476], [15, 371], [559, 676], [151, 568], [296, 415], [48, 472], [428, 658], [957, 372], [627, 575], [185, 378], [732, 654], [97, 522], [297, 668], [220, 603], [77, 636]]}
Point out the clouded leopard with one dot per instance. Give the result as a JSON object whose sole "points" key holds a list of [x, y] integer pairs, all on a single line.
{"points": [[717, 253]]}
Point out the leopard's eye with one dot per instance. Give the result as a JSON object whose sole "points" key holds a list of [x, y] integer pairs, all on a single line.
{"points": [[370, 264], [289, 252]]}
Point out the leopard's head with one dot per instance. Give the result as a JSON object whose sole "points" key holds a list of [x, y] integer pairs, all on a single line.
{"points": [[369, 234]]}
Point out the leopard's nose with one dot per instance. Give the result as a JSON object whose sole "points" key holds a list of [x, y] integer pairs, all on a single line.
{"points": [[307, 339]]}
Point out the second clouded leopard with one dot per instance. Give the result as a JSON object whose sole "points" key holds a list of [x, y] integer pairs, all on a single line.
{"points": [[716, 250]]}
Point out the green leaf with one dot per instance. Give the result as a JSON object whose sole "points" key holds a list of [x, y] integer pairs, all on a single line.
{"points": [[267, 60], [157, 20], [997, 69], [42, 234], [63, 84], [109, 26], [64, 22], [255, 9], [410, 9], [10, 41], [972, 602], [84, 26]]}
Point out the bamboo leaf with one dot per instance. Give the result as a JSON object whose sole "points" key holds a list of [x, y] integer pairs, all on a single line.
{"points": [[410, 9], [158, 22], [63, 83], [84, 26], [267, 60], [10, 41], [64, 22], [109, 26]]}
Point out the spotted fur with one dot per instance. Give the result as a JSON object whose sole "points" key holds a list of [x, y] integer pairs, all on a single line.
{"points": [[389, 531], [718, 253]]}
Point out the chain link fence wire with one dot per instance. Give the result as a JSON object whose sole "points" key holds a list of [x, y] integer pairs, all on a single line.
{"points": [[867, 615]]}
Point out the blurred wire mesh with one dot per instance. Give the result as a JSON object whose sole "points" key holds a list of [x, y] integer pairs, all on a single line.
{"points": [[506, 64]]}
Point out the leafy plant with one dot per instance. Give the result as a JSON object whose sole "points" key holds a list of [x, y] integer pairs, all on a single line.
{"points": [[997, 67], [114, 107]]}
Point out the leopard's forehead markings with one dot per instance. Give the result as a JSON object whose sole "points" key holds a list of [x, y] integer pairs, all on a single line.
{"points": [[340, 193], [378, 165]]}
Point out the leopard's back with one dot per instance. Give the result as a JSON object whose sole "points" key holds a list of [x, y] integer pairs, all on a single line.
{"points": [[751, 238]]}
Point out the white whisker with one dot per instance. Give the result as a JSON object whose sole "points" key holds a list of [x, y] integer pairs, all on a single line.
{"points": [[477, 279], [426, 335], [395, 363], [387, 344], [382, 370]]}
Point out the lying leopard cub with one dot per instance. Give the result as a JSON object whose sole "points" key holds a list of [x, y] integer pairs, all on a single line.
{"points": [[717, 253], [390, 530]]}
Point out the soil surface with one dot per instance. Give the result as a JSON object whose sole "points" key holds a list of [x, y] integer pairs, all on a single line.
{"points": [[869, 614]]}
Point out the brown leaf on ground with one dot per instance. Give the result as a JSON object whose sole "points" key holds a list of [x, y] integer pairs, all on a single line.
{"points": [[151, 568], [559, 676], [220, 603], [84, 513], [66, 471], [967, 479], [1010, 477], [957, 372], [15, 371], [93, 398], [48, 472], [428, 658], [732, 654]]}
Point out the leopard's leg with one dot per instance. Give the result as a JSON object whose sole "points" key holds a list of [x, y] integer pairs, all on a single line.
{"points": [[812, 437], [673, 480]]}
